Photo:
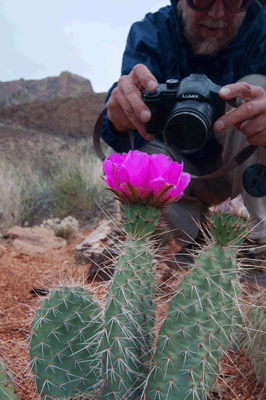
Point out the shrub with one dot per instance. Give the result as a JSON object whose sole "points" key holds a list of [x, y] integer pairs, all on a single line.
{"points": [[65, 228]]}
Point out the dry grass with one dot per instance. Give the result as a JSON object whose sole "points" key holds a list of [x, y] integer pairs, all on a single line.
{"points": [[43, 177]]}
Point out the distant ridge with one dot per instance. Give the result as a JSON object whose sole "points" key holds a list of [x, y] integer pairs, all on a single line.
{"points": [[64, 85], [64, 105]]}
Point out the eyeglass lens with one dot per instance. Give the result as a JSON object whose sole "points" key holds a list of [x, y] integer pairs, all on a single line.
{"points": [[232, 5]]}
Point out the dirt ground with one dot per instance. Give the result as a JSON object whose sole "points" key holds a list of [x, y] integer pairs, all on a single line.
{"points": [[20, 274]]}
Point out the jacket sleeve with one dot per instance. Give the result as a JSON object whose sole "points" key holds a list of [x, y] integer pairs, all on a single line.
{"points": [[142, 47]]}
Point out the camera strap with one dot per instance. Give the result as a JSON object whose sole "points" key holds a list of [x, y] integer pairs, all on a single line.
{"points": [[239, 159]]}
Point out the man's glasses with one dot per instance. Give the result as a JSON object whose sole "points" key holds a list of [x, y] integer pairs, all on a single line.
{"points": [[234, 6]]}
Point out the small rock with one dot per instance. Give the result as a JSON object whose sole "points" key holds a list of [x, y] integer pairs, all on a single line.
{"points": [[103, 234], [35, 240]]}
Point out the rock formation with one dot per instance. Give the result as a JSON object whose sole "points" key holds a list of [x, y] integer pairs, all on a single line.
{"points": [[64, 85]]}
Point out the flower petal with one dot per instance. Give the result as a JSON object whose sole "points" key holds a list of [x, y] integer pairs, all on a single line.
{"points": [[122, 174], [115, 174], [110, 177], [178, 190], [137, 165], [124, 188], [184, 181], [175, 172], [117, 158], [157, 185], [154, 174], [159, 166]]}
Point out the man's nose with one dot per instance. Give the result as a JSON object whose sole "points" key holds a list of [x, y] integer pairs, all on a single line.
{"points": [[217, 11]]}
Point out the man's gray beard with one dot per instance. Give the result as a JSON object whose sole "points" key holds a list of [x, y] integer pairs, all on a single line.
{"points": [[210, 46]]}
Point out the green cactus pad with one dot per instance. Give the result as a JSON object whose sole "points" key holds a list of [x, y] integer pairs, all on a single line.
{"points": [[129, 321], [140, 220], [228, 229], [63, 343], [194, 337], [7, 389]]}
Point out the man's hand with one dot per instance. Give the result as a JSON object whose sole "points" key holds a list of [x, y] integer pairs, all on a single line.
{"points": [[125, 108], [250, 117]]}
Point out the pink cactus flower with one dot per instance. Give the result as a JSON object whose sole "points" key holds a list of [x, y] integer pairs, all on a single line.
{"points": [[153, 180]]}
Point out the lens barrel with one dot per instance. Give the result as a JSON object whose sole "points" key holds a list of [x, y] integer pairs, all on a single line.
{"points": [[188, 125]]}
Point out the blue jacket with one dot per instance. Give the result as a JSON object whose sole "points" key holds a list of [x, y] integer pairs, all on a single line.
{"points": [[158, 42]]}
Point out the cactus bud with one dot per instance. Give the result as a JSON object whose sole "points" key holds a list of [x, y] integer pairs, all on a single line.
{"points": [[228, 221]]}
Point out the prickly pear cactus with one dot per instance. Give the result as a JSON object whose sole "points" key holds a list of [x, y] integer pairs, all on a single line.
{"points": [[7, 389], [202, 315], [63, 339], [129, 317], [254, 343], [73, 350]]}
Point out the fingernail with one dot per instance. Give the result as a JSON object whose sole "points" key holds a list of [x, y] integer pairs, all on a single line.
{"points": [[149, 137], [225, 91], [145, 116], [218, 126], [152, 85]]}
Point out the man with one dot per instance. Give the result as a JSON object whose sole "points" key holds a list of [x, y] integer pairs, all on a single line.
{"points": [[225, 40]]}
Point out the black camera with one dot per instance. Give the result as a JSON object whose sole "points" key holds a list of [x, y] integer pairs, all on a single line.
{"points": [[185, 110]]}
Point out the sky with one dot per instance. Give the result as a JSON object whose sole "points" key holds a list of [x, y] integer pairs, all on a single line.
{"points": [[85, 37]]}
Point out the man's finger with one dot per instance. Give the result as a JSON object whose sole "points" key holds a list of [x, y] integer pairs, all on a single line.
{"points": [[143, 78], [253, 126], [243, 90], [129, 117], [133, 102], [117, 116], [258, 140], [247, 110]]}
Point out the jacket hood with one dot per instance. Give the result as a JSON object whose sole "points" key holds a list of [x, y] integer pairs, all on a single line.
{"points": [[174, 4]]}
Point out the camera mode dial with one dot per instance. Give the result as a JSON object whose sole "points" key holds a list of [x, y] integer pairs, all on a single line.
{"points": [[172, 83]]}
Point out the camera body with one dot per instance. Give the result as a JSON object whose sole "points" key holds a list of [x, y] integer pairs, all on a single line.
{"points": [[185, 110]]}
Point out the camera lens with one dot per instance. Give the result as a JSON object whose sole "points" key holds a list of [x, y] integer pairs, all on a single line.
{"points": [[188, 125]]}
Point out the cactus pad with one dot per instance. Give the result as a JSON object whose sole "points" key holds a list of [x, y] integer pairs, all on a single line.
{"points": [[229, 222], [194, 337], [63, 340], [140, 220], [129, 321], [7, 389]]}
